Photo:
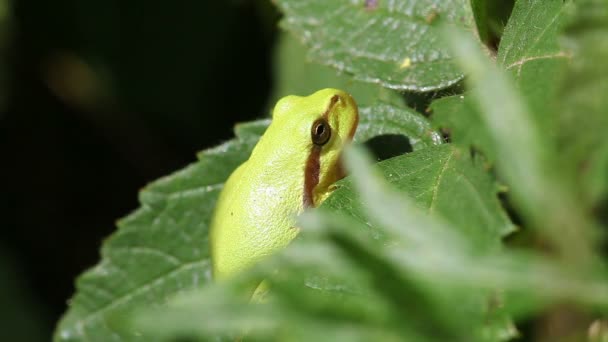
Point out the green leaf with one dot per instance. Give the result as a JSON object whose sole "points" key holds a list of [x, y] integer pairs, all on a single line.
{"points": [[394, 44], [333, 246], [420, 284], [296, 74], [531, 34], [552, 78], [530, 51], [444, 181], [161, 249], [384, 118], [157, 251], [455, 258], [459, 117]]}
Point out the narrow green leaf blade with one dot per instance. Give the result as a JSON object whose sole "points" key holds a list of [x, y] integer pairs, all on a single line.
{"points": [[582, 101]]}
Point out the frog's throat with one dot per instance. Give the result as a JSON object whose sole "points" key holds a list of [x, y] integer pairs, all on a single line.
{"points": [[313, 164]]}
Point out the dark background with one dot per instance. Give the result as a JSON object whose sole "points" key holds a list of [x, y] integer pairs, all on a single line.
{"points": [[102, 97]]}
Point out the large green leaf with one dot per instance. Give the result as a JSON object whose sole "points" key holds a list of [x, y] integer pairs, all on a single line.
{"points": [[445, 181], [384, 118], [420, 281], [296, 74], [530, 50], [394, 44], [531, 33], [157, 251], [161, 249]]}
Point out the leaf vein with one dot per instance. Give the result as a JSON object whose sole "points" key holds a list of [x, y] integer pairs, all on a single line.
{"points": [[159, 280], [438, 182], [170, 258], [522, 61]]}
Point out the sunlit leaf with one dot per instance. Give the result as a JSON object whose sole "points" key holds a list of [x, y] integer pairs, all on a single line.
{"points": [[395, 44], [295, 73]]}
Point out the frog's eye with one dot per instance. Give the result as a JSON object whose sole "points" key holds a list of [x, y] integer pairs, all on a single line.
{"points": [[320, 132]]}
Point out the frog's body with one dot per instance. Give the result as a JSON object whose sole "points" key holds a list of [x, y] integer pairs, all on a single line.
{"points": [[292, 167]]}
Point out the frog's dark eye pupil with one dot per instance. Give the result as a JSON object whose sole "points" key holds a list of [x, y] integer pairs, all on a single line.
{"points": [[320, 132], [320, 129]]}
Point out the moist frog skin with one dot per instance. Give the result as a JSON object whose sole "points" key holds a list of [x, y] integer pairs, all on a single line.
{"points": [[292, 167]]}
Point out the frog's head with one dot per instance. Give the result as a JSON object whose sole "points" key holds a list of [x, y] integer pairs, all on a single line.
{"points": [[318, 127]]}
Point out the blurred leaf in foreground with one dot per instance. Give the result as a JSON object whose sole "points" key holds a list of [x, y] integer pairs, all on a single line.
{"points": [[352, 287], [340, 280], [444, 181], [583, 105]]}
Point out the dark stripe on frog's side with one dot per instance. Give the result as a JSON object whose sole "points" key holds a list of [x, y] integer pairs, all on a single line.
{"points": [[313, 164], [311, 175]]}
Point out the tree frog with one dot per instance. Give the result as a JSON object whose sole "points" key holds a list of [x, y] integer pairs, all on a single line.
{"points": [[292, 167]]}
